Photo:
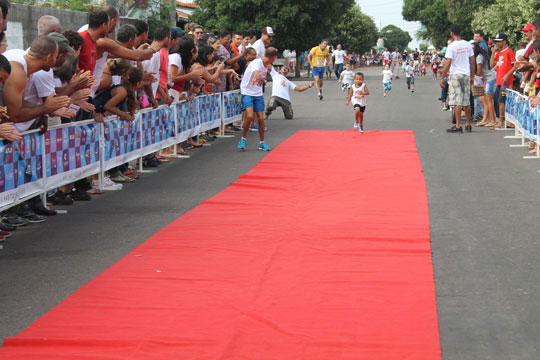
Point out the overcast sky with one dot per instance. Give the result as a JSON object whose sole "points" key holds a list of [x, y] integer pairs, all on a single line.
{"points": [[386, 12]]}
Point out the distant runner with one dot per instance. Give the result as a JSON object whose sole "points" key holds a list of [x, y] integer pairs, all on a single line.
{"points": [[316, 57]]}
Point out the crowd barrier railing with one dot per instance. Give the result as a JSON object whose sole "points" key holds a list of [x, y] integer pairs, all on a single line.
{"points": [[524, 117], [66, 153]]}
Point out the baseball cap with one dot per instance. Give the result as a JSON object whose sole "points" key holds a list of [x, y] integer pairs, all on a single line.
{"points": [[267, 30], [528, 27], [63, 43], [501, 37]]}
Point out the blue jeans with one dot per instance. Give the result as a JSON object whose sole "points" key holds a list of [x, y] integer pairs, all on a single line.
{"points": [[338, 70], [478, 109]]}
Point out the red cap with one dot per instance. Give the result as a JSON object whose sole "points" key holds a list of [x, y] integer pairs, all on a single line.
{"points": [[528, 27], [490, 42]]}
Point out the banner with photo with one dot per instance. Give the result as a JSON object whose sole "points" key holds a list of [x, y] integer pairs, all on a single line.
{"points": [[210, 111], [187, 119], [232, 104], [157, 129], [21, 168], [519, 112], [122, 141], [71, 153]]}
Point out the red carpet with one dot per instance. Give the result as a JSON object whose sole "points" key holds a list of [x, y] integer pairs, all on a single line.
{"points": [[321, 251]]}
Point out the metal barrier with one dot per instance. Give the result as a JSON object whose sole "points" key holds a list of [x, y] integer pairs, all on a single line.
{"points": [[524, 117], [69, 152]]}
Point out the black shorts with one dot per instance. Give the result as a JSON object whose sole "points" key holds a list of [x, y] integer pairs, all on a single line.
{"points": [[362, 108]]}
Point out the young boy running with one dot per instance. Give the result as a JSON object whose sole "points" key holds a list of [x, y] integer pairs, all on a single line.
{"points": [[387, 79], [359, 91], [409, 73], [347, 79]]}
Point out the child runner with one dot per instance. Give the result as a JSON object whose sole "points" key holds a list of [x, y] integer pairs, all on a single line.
{"points": [[347, 79], [435, 66], [409, 73], [423, 69], [387, 79], [359, 91]]}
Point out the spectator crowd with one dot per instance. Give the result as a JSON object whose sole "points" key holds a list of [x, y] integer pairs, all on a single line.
{"points": [[102, 69]]}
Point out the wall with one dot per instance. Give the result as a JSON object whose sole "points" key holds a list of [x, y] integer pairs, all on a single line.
{"points": [[22, 25]]}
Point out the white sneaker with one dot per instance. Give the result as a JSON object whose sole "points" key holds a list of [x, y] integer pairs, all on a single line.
{"points": [[108, 184], [356, 125]]}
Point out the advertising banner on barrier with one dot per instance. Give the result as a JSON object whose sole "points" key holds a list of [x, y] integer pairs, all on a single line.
{"points": [[21, 168], [71, 153], [210, 111], [519, 112], [157, 129], [187, 119], [122, 141], [232, 104]]}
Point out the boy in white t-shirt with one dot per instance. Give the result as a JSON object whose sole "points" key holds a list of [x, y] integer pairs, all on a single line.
{"points": [[409, 73], [280, 93], [347, 79], [359, 91], [387, 79]]}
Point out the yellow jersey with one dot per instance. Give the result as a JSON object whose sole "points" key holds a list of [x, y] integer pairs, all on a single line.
{"points": [[319, 55]]}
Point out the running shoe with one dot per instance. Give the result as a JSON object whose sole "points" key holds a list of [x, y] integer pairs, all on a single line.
{"points": [[254, 128], [263, 147], [454, 129], [242, 144], [468, 128], [356, 125], [361, 129]]}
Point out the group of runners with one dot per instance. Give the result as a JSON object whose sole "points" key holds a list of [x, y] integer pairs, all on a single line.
{"points": [[252, 85]]}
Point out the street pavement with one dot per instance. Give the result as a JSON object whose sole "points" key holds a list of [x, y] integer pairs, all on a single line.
{"points": [[483, 201]]}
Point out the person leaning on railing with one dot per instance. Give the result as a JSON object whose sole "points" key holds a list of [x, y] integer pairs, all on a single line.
{"points": [[534, 99], [7, 130]]}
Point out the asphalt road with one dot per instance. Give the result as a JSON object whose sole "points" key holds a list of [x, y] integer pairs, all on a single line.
{"points": [[483, 200]]}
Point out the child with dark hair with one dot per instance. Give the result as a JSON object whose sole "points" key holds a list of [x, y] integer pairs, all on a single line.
{"points": [[121, 100]]}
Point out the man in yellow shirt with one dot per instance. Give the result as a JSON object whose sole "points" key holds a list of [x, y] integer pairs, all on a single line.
{"points": [[316, 57]]}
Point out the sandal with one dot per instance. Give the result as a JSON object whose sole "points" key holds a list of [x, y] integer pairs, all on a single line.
{"points": [[94, 191]]}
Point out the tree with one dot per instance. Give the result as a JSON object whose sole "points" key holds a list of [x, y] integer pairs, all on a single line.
{"points": [[423, 46], [462, 12], [433, 14], [355, 31], [395, 37], [507, 16], [298, 25]]}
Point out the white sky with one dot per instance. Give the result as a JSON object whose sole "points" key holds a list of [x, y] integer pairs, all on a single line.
{"points": [[386, 12]]}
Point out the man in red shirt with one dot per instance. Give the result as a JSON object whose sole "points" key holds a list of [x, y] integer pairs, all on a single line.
{"points": [[98, 27], [502, 60]]}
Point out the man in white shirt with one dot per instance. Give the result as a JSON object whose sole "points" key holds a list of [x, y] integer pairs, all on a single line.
{"points": [[460, 64], [339, 60], [280, 93], [396, 57], [251, 89], [265, 40]]}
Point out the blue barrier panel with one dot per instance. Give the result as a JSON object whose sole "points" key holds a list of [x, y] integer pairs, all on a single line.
{"points": [[187, 119], [232, 104], [21, 168], [71, 153], [157, 129], [122, 141], [210, 111]]}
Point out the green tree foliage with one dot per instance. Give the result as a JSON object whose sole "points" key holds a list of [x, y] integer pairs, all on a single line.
{"points": [[395, 37], [298, 25], [75, 5], [507, 16], [433, 14], [462, 12], [355, 31], [161, 18], [423, 46]]}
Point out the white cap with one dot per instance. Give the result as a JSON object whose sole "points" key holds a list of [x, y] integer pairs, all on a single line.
{"points": [[268, 30]]}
